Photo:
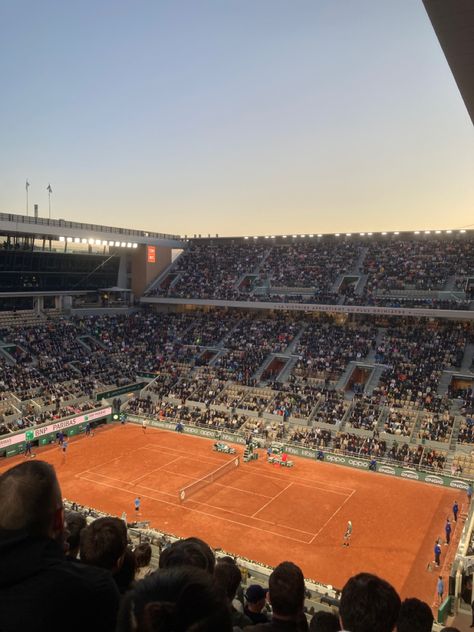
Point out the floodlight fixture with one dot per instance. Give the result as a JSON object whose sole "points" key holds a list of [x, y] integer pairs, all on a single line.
{"points": [[62, 239]]}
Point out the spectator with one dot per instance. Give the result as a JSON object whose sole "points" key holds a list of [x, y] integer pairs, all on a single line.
{"points": [[414, 616], [324, 622], [37, 584], [103, 543], [188, 552], [229, 577], [368, 603], [286, 593], [125, 576], [255, 599], [177, 599], [142, 558], [75, 522]]}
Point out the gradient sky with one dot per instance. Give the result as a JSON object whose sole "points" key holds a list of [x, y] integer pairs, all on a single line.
{"points": [[233, 116]]}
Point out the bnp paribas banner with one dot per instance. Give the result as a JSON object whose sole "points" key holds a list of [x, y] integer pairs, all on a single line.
{"points": [[40, 431]]}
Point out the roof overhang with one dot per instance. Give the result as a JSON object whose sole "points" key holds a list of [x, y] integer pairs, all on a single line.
{"points": [[453, 22]]}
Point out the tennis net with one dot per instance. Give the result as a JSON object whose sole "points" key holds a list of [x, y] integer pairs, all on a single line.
{"points": [[192, 488]]}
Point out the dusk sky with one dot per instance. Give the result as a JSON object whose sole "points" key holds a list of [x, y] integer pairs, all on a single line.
{"points": [[236, 117]]}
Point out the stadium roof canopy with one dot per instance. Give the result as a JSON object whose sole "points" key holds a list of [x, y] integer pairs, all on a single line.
{"points": [[453, 22], [11, 224]]}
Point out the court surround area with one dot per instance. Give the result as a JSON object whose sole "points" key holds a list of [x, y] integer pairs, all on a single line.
{"points": [[261, 511]]}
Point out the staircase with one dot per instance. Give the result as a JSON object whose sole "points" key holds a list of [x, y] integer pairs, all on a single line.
{"points": [[468, 356], [454, 437], [374, 378], [341, 383], [284, 374], [361, 285], [359, 264], [378, 341], [294, 343], [444, 383], [163, 274]]}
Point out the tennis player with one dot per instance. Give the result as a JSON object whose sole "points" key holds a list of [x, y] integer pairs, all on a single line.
{"points": [[348, 534]]}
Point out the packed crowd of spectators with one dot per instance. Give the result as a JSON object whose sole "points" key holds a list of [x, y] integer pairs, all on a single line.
{"points": [[436, 427], [214, 270], [332, 407], [466, 430], [399, 423], [217, 269], [314, 264], [421, 264], [417, 354], [364, 413], [48, 378]]}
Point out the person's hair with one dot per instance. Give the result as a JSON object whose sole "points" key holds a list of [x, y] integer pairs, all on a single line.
{"points": [[414, 616], [142, 554], [324, 622], [179, 599], [29, 498], [450, 629], [126, 573], [103, 542], [369, 603], [188, 552], [286, 590], [75, 523], [228, 576]]}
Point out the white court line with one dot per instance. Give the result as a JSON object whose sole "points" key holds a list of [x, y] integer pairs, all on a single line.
{"points": [[163, 469], [271, 500], [307, 481], [330, 518], [157, 448], [156, 469], [116, 458], [204, 513], [200, 502]]}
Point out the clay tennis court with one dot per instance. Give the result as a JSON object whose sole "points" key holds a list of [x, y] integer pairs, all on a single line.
{"points": [[261, 511]]}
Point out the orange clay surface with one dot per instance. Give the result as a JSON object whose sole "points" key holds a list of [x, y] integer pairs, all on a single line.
{"points": [[262, 511]]}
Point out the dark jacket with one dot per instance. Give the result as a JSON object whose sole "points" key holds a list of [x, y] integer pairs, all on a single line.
{"points": [[281, 625], [40, 591]]}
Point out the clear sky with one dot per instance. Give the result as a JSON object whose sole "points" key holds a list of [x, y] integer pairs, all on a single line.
{"points": [[233, 116]]}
